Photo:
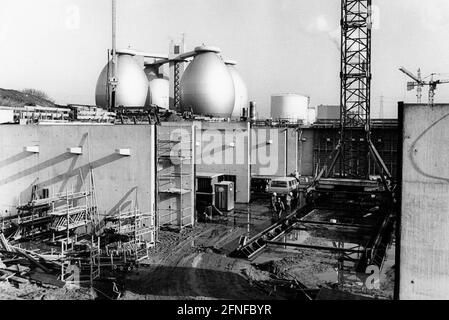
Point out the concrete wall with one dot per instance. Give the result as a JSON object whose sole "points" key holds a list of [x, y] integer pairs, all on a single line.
{"points": [[424, 245], [228, 148], [224, 148], [290, 150], [268, 151], [119, 177], [306, 161], [120, 181]]}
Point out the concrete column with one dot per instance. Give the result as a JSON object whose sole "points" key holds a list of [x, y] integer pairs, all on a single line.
{"points": [[193, 180], [424, 217]]}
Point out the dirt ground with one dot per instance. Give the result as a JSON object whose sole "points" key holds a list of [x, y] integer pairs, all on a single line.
{"points": [[35, 292], [193, 265]]}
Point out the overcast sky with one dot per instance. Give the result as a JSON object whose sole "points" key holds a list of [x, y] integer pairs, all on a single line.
{"points": [[60, 46]]}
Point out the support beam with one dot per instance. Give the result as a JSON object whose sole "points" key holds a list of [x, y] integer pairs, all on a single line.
{"points": [[335, 224], [304, 246]]}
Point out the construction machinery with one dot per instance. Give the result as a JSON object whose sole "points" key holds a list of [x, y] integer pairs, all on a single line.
{"points": [[344, 184], [350, 159], [345, 181], [419, 83]]}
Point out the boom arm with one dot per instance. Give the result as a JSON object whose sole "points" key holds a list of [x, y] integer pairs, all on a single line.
{"points": [[411, 75], [441, 81]]}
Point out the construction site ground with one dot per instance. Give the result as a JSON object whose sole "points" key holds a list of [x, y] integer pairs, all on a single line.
{"points": [[194, 264]]}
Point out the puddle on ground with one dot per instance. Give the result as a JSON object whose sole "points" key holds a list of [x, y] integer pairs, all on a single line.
{"points": [[328, 276]]}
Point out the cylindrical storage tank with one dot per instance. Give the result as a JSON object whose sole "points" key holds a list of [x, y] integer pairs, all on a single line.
{"points": [[158, 88], [291, 107], [311, 115], [252, 111], [132, 84], [240, 90], [207, 86]]}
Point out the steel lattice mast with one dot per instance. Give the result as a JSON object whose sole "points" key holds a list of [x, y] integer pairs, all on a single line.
{"points": [[351, 157], [355, 86]]}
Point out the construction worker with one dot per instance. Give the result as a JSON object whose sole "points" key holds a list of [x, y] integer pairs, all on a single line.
{"points": [[273, 200], [279, 208], [297, 176], [288, 201]]}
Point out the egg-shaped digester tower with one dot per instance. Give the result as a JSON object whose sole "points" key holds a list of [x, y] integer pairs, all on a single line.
{"points": [[240, 89], [132, 87], [207, 87], [158, 88]]}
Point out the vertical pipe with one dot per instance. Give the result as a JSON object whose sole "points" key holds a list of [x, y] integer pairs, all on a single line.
{"points": [[193, 174], [153, 173], [181, 164], [114, 53], [248, 230], [248, 157], [301, 148], [252, 111], [296, 150], [68, 218], [114, 36], [154, 133], [286, 152]]}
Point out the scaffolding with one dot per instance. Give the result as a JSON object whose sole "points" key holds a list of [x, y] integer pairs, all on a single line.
{"points": [[175, 176], [82, 264], [58, 214], [135, 234]]}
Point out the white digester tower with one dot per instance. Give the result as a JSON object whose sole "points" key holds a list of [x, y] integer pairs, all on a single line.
{"points": [[158, 87], [240, 89], [207, 86], [132, 86]]}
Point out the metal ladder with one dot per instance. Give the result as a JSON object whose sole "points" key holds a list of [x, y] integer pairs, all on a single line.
{"points": [[256, 244]]}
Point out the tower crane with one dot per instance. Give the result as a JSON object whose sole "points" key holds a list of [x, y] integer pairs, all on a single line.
{"points": [[355, 153], [419, 83], [344, 183]]}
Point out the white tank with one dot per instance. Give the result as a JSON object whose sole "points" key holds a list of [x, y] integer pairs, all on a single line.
{"points": [[207, 86], [158, 88], [311, 115], [291, 107], [240, 90], [132, 85]]}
